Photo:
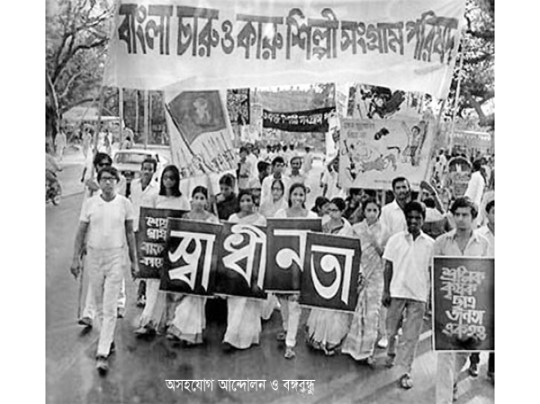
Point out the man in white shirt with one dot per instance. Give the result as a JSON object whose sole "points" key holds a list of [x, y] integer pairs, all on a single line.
{"points": [[463, 241], [408, 256], [60, 143], [105, 228], [392, 216], [296, 176], [143, 190], [278, 167], [476, 185]]}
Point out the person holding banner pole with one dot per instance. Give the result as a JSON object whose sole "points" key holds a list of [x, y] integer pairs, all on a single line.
{"points": [[463, 241], [362, 337], [408, 258], [327, 329], [290, 308], [169, 197], [244, 314], [189, 319], [105, 229]]}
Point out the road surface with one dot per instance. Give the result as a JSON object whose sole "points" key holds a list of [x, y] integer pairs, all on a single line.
{"points": [[139, 368]]}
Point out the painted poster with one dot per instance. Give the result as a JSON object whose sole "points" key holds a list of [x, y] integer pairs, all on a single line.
{"points": [[463, 304], [191, 257], [286, 252], [373, 152], [242, 261], [201, 138], [331, 269], [152, 239], [238, 106]]}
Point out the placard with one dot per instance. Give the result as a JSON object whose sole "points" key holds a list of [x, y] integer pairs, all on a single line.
{"points": [[463, 304]]}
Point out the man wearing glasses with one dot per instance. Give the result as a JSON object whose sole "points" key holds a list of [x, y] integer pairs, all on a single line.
{"points": [[101, 160], [106, 226]]}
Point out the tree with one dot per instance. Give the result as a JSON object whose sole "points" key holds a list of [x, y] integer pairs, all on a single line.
{"points": [[77, 36], [478, 53]]}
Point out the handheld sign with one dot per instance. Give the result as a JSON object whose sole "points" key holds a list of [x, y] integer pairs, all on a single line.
{"points": [[331, 268], [463, 304], [191, 257], [152, 239], [286, 252], [242, 261]]}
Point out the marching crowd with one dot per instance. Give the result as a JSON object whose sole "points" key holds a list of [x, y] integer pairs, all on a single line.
{"points": [[398, 241]]}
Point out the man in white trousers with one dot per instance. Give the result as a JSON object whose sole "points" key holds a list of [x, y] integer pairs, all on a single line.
{"points": [[105, 228]]}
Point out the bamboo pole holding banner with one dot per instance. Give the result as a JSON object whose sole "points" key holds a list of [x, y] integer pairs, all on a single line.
{"points": [[145, 118], [121, 112]]}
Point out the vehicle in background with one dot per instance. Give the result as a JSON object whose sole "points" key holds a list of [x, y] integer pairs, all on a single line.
{"points": [[128, 163]]}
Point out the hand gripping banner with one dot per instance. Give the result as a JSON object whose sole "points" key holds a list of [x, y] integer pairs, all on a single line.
{"points": [[331, 269]]}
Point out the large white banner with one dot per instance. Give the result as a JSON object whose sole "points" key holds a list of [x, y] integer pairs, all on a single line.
{"points": [[406, 44], [373, 152]]}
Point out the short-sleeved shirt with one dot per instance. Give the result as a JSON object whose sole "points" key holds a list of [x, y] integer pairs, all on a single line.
{"points": [[411, 260], [446, 245], [393, 220], [106, 221], [142, 198], [488, 234]]}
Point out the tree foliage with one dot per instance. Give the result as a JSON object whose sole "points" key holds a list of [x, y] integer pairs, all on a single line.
{"points": [[77, 36], [477, 72]]}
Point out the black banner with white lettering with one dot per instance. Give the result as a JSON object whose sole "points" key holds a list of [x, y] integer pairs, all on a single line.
{"points": [[331, 268], [286, 251], [463, 304], [315, 120], [191, 257], [152, 239], [242, 261]]}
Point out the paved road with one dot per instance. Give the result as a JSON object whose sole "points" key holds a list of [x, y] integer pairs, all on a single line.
{"points": [[139, 368]]}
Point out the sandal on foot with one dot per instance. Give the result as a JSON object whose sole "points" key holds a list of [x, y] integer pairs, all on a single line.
{"points": [[390, 359], [406, 381], [102, 365], [289, 353]]}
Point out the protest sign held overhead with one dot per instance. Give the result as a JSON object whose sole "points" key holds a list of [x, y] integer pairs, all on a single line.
{"points": [[238, 43], [373, 152], [242, 261], [315, 120], [286, 252], [153, 224], [463, 304], [331, 268], [191, 258]]}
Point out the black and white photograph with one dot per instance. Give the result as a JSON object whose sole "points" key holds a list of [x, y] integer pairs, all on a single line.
{"points": [[272, 201]]}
